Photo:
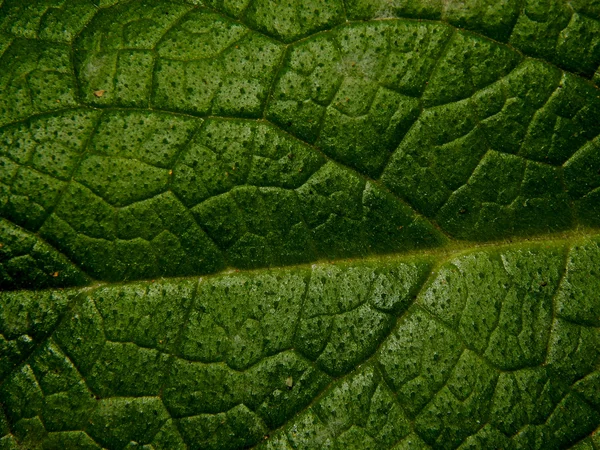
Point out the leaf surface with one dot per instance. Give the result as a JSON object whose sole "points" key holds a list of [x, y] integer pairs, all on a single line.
{"points": [[357, 224]]}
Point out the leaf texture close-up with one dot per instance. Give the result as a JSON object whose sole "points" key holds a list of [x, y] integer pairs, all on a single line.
{"points": [[300, 224]]}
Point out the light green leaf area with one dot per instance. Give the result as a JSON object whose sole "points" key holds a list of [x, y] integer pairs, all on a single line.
{"points": [[325, 224]]}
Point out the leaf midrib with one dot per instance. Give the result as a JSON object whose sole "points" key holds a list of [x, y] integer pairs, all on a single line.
{"points": [[439, 255]]}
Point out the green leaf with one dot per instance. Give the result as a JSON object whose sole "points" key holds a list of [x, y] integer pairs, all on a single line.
{"points": [[305, 224]]}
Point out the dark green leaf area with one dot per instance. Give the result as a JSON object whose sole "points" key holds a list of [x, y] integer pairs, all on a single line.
{"points": [[158, 194], [26, 321], [48, 20], [564, 33], [26, 260], [175, 57], [470, 133], [500, 164], [486, 348], [150, 138], [35, 78]]}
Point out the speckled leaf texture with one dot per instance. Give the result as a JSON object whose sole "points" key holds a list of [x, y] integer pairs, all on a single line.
{"points": [[299, 224]]}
